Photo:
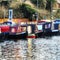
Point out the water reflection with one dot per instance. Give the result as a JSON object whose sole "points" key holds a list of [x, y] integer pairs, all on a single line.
{"points": [[14, 50], [31, 49]]}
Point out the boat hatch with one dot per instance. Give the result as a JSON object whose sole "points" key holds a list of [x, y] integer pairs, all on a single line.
{"points": [[7, 23], [57, 22]]}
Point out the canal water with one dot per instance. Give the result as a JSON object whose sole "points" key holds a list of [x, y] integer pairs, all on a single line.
{"points": [[31, 49]]}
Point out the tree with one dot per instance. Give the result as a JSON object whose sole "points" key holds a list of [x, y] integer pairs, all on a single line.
{"points": [[27, 11], [5, 3], [49, 7], [49, 4], [41, 3], [57, 15]]}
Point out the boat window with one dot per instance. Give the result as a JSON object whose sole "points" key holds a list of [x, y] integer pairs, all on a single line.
{"points": [[39, 27], [24, 29], [21, 29], [13, 29], [7, 24], [47, 26]]}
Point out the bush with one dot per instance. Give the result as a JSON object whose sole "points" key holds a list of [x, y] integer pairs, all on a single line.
{"points": [[27, 11]]}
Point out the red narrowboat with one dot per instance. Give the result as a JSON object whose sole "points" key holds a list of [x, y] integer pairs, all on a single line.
{"points": [[13, 31]]}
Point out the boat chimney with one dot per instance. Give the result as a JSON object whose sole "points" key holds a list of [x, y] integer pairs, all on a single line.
{"points": [[10, 14]]}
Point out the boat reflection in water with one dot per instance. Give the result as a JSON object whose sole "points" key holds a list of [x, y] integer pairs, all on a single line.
{"points": [[31, 49], [16, 49]]}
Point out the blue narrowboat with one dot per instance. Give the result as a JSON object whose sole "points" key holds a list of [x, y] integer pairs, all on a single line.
{"points": [[44, 29], [48, 28], [56, 27], [57, 24]]}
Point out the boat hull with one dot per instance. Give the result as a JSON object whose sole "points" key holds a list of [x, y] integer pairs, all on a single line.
{"points": [[14, 36], [47, 34]]}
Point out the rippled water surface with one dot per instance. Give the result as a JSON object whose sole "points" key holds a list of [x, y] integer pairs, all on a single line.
{"points": [[31, 49]]}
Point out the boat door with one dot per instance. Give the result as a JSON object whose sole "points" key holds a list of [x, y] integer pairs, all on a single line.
{"points": [[52, 26], [29, 29], [59, 27]]}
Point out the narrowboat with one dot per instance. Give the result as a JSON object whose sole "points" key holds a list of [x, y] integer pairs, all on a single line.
{"points": [[48, 28], [44, 29], [39, 29], [11, 30], [56, 27]]}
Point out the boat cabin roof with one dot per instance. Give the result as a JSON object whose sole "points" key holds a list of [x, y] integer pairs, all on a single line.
{"points": [[9, 23], [57, 21], [45, 23]]}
